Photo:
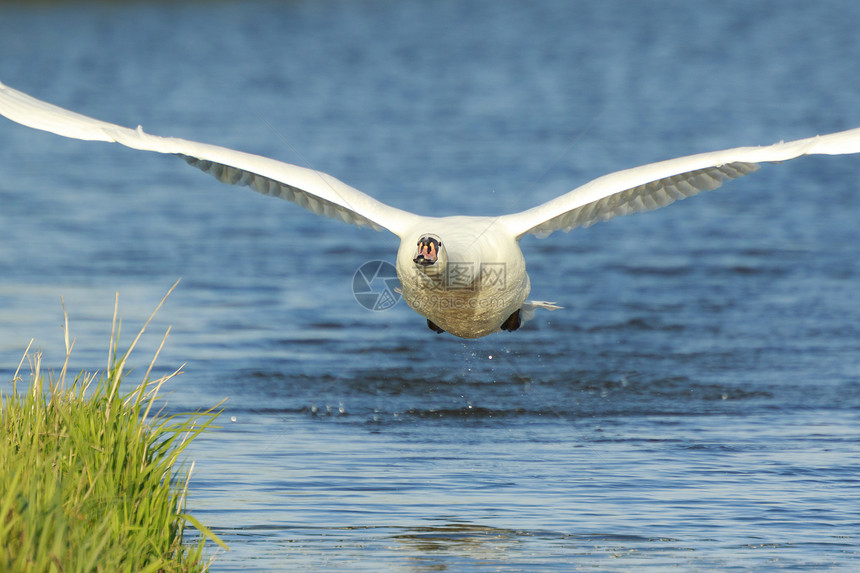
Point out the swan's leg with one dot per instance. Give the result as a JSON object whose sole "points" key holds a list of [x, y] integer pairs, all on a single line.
{"points": [[513, 322], [433, 327]]}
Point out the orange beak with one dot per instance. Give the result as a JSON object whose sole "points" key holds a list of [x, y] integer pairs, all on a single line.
{"points": [[427, 252]]}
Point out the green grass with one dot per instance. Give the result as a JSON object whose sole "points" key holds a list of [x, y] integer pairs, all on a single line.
{"points": [[91, 478]]}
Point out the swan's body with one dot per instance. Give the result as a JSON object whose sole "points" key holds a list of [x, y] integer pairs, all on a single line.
{"points": [[466, 275], [478, 281]]}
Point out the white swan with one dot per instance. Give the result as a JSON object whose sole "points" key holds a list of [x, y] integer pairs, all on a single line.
{"points": [[466, 275]]}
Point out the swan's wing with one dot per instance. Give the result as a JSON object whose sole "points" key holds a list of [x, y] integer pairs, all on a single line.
{"points": [[659, 184], [315, 191]]}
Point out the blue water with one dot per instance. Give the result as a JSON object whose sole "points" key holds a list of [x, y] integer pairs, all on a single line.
{"points": [[696, 405]]}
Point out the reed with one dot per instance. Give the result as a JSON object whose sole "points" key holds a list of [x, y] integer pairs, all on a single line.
{"points": [[91, 477]]}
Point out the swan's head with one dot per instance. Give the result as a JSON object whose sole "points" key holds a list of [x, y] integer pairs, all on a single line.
{"points": [[429, 251]]}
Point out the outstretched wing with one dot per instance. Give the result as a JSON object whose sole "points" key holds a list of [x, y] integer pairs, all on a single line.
{"points": [[659, 184], [317, 192]]}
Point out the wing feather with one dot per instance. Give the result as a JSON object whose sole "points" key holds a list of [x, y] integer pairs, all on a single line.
{"points": [[658, 184], [316, 191]]}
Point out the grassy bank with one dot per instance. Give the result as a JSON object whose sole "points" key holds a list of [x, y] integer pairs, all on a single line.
{"points": [[91, 477]]}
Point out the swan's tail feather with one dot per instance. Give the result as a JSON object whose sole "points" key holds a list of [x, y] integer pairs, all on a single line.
{"points": [[527, 312]]}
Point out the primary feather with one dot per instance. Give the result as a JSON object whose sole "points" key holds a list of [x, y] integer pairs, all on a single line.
{"points": [[316, 191], [658, 184]]}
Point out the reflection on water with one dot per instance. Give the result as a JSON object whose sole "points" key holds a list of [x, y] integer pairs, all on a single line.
{"points": [[472, 541], [693, 406]]}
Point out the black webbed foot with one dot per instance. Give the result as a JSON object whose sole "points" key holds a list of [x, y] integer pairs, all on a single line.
{"points": [[433, 327], [512, 323]]}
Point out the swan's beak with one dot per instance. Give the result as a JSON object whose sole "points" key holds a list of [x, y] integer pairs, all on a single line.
{"points": [[428, 251]]}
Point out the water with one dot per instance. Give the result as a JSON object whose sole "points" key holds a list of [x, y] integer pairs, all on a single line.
{"points": [[696, 403]]}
